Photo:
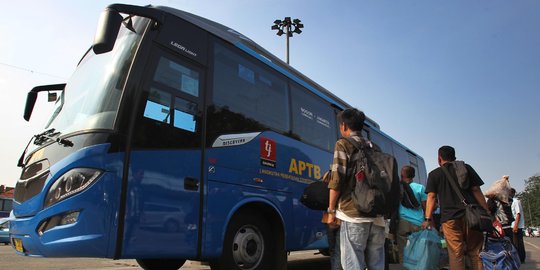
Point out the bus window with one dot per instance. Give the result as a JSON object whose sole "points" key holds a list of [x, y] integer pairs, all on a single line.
{"points": [[8, 205], [177, 76], [384, 144], [184, 114], [246, 92], [170, 118], [313, 121], [422, 179], [5, 207], [157, 106], [365, 134], [412, 160], [413, 163]]}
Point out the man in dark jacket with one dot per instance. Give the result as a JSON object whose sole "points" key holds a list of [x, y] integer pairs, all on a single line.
{"points": [[459, 238]]}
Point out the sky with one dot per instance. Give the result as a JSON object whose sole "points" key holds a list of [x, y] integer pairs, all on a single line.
{"points": [[431, 73]]}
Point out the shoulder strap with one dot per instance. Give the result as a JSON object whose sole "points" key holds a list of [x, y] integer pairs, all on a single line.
{"points": [[360, 148], [452, 181], [408, 197], [361, 157], [461, 173], [356, 144]]}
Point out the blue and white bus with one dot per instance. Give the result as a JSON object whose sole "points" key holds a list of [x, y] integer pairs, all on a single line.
{"points": [[177, 139]]}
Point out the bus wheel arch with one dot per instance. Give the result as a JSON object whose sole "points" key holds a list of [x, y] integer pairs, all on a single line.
{"points": [[254, 240]]}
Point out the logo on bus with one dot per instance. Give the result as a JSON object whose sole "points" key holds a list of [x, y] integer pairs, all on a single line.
{"points": [[182, 48], [268, 152]]}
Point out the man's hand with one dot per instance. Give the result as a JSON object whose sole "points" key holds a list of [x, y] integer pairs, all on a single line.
{"points": [[427, 224], [332, 221], [516, 223]]}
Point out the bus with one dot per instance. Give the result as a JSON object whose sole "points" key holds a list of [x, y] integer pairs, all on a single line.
{"points": [[178, 138], [6, 204]]}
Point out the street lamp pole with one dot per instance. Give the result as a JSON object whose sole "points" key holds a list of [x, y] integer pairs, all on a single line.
{"points": [[286, 27], [287, 38]]}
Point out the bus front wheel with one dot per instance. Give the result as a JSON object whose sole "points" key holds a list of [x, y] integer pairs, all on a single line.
{"points": [[249, 245], [160, 264]]}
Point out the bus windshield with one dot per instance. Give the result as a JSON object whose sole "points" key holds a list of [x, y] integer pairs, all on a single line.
{"points": [[92, 94]]}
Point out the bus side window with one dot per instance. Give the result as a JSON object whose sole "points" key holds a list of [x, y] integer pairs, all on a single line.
{"points": [[365, 134], [184, 114], [170, 116], [177, 76], [384, 144], [414, 163], [157, 106], [314, 121], [246, 96]]}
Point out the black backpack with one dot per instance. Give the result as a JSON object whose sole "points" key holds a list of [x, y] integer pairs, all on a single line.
{"points": [[408, 199], [316, 196], [376, 182]]}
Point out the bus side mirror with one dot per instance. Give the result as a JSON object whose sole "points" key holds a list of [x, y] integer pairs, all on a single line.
{"points": [[32, 97], [30, 102], [52, 97], [107, 31]]}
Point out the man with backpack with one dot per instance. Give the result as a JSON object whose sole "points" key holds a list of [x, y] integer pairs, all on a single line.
{"points": [[460, 239], [362, 234], [411, 210]]}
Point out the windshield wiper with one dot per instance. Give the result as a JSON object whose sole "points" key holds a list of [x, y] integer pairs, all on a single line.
{"points": [[41, 138], [51, 135]]}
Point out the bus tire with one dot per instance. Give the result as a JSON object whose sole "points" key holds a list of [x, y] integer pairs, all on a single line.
{"points": [[250, 245], [160, 264]]}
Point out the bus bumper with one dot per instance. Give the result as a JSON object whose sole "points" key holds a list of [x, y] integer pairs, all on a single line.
{"points": [[80, 226]]}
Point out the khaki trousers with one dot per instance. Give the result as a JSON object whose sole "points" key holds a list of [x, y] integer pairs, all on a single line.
{"points": [[461, 241], [405, 228]]}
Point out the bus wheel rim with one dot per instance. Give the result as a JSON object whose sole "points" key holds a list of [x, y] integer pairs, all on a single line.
{"points": [[248, 247]]}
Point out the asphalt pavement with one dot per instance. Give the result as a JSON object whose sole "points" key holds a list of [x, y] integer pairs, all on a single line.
{"points": [[303, 260]]}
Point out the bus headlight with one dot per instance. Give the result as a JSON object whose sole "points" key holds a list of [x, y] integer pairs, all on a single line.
{"points": [[71, 183]]}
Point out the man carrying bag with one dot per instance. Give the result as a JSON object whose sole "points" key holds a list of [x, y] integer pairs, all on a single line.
{"points": [[461, 240], [356, 168]]}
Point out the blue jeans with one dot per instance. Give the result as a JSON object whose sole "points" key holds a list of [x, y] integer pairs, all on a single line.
{"points": [[361, 246], [333, 242]]}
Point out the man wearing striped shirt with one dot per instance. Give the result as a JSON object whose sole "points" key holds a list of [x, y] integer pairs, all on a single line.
{"points": [[361, 238]]}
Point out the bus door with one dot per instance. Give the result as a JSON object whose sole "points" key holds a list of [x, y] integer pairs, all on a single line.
{"points": [[163, 190]]}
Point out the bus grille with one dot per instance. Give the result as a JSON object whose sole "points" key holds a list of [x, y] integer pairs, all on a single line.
{"points": [[26, 189]]}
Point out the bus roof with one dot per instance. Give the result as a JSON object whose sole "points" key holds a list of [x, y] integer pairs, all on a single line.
{"points": [[250, 47]]}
